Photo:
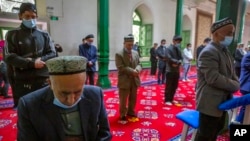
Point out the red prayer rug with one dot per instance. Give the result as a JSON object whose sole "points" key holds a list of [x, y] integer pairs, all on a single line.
{"points": [[157, 121]]}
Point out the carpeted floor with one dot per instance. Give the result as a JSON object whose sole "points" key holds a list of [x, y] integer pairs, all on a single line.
{"points": [[157, 121]]}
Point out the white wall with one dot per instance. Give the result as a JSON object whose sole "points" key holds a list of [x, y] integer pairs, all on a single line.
{"points": [[77, 18]]}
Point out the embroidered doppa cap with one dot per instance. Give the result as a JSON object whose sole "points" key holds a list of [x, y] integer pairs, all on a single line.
{"points": [[219, 24], [64, 65], [177, 38], [129, 38], [27, 7], [89, 36]]}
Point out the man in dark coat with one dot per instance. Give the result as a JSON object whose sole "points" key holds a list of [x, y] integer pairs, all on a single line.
{"points": [[201, 47], [89, 51], [173, 63], [238, 55], [25, 52], [153, 59], [161, 62], [66, 110]]}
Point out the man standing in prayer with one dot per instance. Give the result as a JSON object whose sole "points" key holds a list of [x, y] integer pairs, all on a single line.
{"points": [[217, 80], [187, 59], [25, 52], [153, 59], [89, 51], [173, 62], [128, 65]]}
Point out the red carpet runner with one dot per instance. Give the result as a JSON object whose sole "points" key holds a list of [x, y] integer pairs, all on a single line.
{"points": [[157, 121]]}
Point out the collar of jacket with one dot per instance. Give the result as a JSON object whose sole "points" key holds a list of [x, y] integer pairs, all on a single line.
{"points": [[219, 46]]}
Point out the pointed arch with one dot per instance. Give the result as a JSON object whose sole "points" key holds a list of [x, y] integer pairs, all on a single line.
{"points": [[186, 31]]}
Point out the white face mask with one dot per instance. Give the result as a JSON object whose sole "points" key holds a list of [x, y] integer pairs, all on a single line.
{"points": [[227, 41]]}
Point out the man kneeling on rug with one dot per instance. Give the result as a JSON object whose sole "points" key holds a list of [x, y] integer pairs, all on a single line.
{"points": [[67, 109]]}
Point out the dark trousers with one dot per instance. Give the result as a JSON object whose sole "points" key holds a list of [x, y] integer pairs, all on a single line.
{"points": [[209, 127], [161, 75], [171, 85], [22, 88], [90, 78], [237, 71], [4, 79], [5, 88], [153, 67]]}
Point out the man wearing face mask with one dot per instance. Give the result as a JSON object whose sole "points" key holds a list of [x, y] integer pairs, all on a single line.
{"points": [[187, 58], [160, 52], [26, 50], [89, 51], [217, 80], [238, 55], [67, 109], [173, 63]]}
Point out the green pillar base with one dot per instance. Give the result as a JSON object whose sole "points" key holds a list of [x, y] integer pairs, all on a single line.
{"points": [[103, 81], [103, 76]]}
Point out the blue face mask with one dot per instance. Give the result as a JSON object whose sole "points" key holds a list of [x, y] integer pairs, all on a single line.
{"points": [[58, 103], [178, 45], [227, 41], [89, 43], [29, 23]]}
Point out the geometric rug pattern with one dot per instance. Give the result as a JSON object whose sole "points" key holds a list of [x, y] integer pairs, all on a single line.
{"points": [[157, 121]]}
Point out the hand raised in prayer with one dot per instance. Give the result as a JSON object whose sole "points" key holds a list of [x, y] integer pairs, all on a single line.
{"points": [[135, 73]]}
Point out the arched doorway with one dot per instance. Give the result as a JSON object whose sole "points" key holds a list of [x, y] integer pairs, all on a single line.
{"points": [[143, 31], [136, 25], [186, 31]]}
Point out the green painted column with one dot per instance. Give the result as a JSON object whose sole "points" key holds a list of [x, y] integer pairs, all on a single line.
{"points": [[232, 9], [242, 8], [103, 43], [179, 17], [229, 8]]}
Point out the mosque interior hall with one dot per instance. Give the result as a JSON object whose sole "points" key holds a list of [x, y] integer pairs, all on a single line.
{"points": [[149, 21], [110, 20]]}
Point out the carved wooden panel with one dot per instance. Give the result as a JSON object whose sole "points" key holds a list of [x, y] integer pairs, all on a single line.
{"points": [[203, 23]]}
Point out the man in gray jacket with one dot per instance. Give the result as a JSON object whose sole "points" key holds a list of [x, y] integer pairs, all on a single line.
{"points": [[217, 80]]}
